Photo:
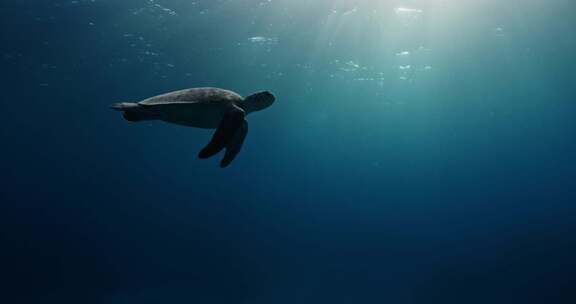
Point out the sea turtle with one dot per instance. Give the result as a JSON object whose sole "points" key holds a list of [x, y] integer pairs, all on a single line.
{"points": [[208, 108]]}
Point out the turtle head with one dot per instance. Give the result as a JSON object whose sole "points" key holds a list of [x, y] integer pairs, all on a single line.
{"points": [[258, 101]]}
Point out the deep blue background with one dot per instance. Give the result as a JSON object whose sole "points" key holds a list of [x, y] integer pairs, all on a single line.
{"points": [[455, 185]]}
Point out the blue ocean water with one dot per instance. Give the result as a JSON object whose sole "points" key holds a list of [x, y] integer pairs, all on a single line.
{"points": [[418, 152]]}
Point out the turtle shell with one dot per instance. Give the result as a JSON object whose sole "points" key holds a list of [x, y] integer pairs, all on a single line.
{"points": [[194, 95]]}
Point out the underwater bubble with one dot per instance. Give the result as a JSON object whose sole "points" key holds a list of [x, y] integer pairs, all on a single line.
{"points": [[499, 32], [403, 58], [266, 2], [260, 43], [262, 40], [408, 16], [149, 53], [350, 66], [407, 11], [78, 2], [352, 11], [155, 9], [347, 66], [257, 39]]}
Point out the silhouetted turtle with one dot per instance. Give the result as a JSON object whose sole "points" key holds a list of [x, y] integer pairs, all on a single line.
{"points": [[209, 108]]}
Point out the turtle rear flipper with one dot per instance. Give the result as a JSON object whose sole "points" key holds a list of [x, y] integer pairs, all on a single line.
{"points": [[131, 116], [135, 115]]}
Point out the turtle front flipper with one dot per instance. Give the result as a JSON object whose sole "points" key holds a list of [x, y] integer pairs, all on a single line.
{"points": [[230, 124], [235, 145]]}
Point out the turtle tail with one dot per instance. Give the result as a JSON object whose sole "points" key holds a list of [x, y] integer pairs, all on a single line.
{"points": [[133, 116], [136, 115], [124, 106], [134, 112]]}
